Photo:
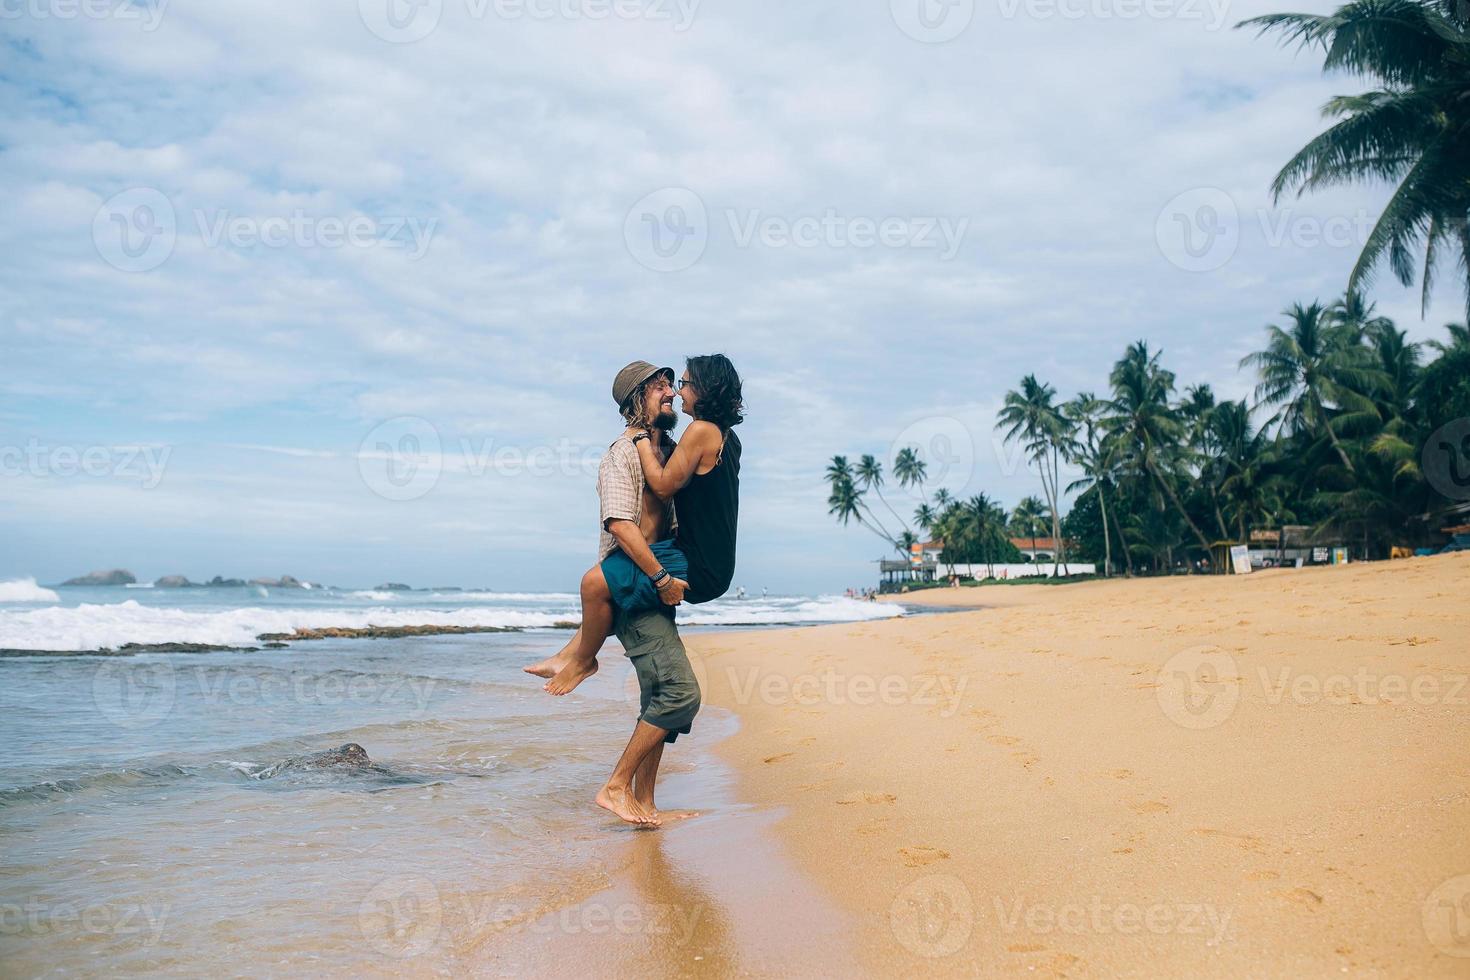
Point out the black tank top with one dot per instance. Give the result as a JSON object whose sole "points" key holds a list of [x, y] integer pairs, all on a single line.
{"points": [[708, 509]]}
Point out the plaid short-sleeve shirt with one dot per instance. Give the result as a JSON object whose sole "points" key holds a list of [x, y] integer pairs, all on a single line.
{"points": [[620, 491]]}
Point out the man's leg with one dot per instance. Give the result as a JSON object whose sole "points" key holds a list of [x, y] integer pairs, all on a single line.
{"points": [[645, 777], [617, 793]]}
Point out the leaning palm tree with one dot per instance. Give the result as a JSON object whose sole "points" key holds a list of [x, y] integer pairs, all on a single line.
{"points": [[869, 476], [1314, 371], [1030, 416], [845, 499], [1412, 130], [909, 468]]}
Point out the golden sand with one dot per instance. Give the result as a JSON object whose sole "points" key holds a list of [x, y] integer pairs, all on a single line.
{"points": [[1264, 775]]}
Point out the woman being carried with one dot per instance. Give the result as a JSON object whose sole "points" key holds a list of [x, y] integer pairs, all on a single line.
{"points": [[702, 477]]}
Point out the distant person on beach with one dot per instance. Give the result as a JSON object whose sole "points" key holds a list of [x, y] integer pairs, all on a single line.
{"points": [[650, 561]]}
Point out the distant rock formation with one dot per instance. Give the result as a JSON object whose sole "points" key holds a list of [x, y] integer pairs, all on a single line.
{"points": [[174, 582], [378, 632], [393, 587], [284, 582], [225, 583], [116, 576]]}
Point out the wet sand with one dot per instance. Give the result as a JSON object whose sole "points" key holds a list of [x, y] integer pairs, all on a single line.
{"points": [[1223, 776]]}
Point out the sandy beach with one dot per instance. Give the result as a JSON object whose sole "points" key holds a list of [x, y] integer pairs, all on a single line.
{"points": [[1226, 776]]}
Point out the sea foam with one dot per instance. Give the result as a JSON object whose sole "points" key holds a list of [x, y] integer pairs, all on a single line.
{"points": [[26, 590]]}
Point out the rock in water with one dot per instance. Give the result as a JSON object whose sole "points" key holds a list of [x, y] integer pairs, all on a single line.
{"points": [[173, 582], [221, 583], [393, 587], [349, 756], [116, 576]]}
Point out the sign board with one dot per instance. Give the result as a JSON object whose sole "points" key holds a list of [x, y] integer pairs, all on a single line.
{"points": [[1319, 555], [1339, 556], [1240, 559]]}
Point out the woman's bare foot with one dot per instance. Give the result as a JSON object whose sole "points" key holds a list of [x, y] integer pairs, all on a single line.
{"points": [[570, 676], [621, 803], [547, 667]]}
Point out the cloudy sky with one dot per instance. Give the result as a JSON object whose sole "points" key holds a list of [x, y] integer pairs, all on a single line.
{"points": [[338, 289]]}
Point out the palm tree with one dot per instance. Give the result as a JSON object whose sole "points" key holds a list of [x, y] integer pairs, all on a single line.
{"points": [[1095, 455], [1030, 415], [909, 468], [1030, 514], [1413, 130], [845, 499], [924, 517], [1142, 420], [869, 475], [980, 513], [1308, 366]]}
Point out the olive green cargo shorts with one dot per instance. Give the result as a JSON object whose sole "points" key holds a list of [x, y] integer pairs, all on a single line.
{"points": [[669, 692]]}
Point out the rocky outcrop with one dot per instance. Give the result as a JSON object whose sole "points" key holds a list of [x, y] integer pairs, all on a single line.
{"points": [[284, 582], [393, 587], [380, 632], [116, 576], [225, 583], [174, 582]]}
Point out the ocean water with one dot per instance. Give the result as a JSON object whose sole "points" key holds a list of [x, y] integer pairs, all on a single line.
{"points": [[171, 812]]}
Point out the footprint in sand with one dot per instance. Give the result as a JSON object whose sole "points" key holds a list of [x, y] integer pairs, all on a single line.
{"points": [[1025, 948], [1302, 896], [920, 855], [1121, 773], [1002, 740], [1246, 842], [1152, 806], [778, 758], [1262, 876]]}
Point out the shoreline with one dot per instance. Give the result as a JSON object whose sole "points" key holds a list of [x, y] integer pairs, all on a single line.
{"points": [[1038, 793]]}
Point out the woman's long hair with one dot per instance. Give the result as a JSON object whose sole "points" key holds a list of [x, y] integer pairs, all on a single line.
{"points": [[717, 386]]}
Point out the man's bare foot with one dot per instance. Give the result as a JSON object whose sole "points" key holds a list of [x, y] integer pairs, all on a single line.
{"points": [[622, 804], [570, 676]]}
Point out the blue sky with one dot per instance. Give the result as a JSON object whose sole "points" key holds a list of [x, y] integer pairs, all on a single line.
{"points": [[312, 289]]}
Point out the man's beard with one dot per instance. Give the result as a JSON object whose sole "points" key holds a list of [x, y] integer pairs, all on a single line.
{"points": [[666, 420]]}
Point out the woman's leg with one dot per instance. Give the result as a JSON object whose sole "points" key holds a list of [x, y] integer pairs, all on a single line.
{"points": [[594, 584], [597, 626]]}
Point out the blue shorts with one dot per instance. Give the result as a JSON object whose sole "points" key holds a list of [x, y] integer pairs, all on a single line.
{"points": [[632, 590]]}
